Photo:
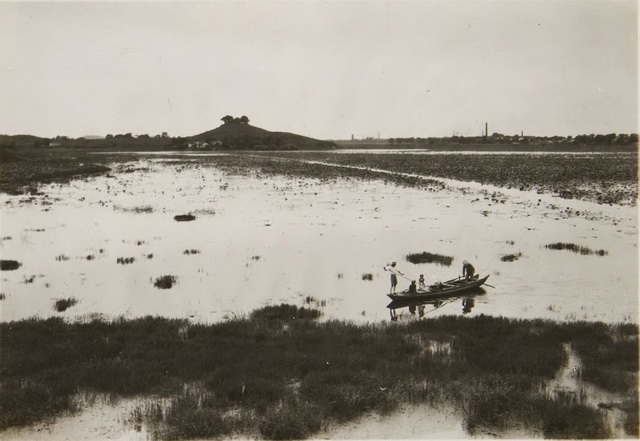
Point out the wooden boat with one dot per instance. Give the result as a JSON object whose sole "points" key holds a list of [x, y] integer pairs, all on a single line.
{"points": [[443, 289]]}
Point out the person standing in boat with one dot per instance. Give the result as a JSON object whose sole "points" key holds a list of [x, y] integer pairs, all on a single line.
{"points": [[468, 271], [394, 276]]}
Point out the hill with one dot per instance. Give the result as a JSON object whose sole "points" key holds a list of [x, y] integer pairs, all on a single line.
{"points": [[243, 136]]}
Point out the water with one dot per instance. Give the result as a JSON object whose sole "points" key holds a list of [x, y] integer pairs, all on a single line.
{"points": [[263, 241]]}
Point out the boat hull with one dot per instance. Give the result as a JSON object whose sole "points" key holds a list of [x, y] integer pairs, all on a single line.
{"points": [[451, 287]]}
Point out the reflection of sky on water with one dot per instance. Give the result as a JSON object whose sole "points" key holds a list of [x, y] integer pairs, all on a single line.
{"points": [[272, 240]]}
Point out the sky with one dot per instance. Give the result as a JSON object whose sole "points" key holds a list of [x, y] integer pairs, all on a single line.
{"points": [[325, 69]]}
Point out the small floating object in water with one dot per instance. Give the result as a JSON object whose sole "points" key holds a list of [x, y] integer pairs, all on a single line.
{"points": [[184, 217]]}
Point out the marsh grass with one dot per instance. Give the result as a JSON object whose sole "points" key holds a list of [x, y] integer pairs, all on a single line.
{"points": [[125, 260], [138, 209], [279, 374], [575, 248], [426, 257], [367, 276], [62, 305], [511, 257], [165, 282], [184, 217], [9, 265]]}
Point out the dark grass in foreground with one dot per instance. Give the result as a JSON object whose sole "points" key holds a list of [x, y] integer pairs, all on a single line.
{"points": [[278, 374]]}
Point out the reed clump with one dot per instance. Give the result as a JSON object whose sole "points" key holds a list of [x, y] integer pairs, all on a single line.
{"points": [[165, 282], [184, 217], [575, 248], [62, 305], [9, 265], [426, 257], [511, 257]]}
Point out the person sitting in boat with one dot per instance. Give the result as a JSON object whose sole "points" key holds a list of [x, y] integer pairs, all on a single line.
{"points": [[421, 282], [468, 271], [413, 288]]}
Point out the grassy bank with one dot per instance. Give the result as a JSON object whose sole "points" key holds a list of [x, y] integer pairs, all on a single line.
{"points": [[279, 374], [22, 170]]}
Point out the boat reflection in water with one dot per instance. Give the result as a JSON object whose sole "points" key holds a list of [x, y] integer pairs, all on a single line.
{"points": [[424, 306]]}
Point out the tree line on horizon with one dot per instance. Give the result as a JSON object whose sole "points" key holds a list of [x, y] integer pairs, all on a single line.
{"points": [[499, 138]]}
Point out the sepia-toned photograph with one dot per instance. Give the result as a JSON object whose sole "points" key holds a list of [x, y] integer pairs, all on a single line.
{"points": [[318, 220]]}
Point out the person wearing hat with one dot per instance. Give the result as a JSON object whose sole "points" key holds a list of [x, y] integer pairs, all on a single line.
{"points": [[468, 271]]}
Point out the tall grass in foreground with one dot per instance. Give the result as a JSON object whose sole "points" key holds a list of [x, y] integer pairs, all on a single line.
{"points": [[279, 374]]}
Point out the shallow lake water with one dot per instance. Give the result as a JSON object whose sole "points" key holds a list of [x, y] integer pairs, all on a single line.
{"points": [[259, 241]]}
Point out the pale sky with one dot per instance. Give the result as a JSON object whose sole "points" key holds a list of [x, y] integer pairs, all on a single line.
{"points": [[325, 69]]}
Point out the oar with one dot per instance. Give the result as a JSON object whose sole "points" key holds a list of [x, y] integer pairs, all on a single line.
{"points": [[398, 273], [490, 286]]}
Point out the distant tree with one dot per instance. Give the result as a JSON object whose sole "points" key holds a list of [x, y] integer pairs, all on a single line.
{"points": [[244, 119], [227, 119], [109, 136]]}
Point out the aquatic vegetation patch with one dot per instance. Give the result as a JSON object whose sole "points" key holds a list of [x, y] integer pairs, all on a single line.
{"points": [[426, 257], [511, 257], [62, 258], [284, 312], [62, 305], [575, 248], [367, 276], [165, 282], [125, 260], [611, 179], [138, 209], [184, 217], [2, 296], [191, 251], [9, 265]]}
